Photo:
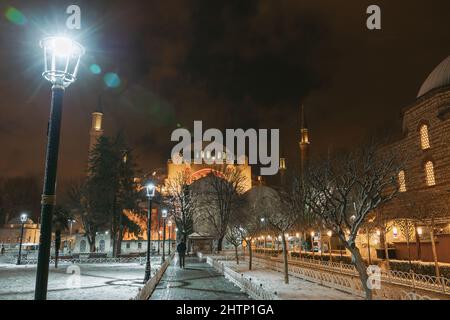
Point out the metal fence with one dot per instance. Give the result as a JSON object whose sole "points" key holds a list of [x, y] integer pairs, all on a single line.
{"points": [[140, 260], [254, 290], [409, 279], [395, 284]]}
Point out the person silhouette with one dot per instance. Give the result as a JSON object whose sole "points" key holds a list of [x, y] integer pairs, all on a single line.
{"points": [[181, 249]]}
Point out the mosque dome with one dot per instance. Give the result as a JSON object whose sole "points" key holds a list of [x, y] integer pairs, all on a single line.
{"points": [[440, 77]]}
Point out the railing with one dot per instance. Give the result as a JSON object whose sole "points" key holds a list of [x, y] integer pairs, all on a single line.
{"points": [[140, 260], [410, 280], [145, 292], [248, 286]]}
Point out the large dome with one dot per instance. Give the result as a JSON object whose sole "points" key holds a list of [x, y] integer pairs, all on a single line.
{"points": [[440, 77]]}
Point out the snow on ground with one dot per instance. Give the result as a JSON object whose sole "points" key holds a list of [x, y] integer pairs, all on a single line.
{"points": [[297, 289], [111, 281]]}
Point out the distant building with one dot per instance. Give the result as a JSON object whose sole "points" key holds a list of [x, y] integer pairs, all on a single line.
{"points": [[10, 233], [424, 181]]}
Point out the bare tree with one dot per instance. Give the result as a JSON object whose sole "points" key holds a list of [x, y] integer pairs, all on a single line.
{"points": [[407, 229], [226, 184], [234, 236], [280, 209], [78, 202], [382, 223], [343, 190], [182, 203], [425, 207], [248, 220]]}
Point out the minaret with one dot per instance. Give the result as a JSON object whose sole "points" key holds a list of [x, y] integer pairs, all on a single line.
{"points": [[96, 127], [304, 142]]}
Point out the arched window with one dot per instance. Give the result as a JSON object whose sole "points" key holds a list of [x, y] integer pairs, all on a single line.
{"points": [[429, 174], [424, 139], [402, 181]]}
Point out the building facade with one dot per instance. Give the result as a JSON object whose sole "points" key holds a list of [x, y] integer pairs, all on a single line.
{"points": [[421, 210]]}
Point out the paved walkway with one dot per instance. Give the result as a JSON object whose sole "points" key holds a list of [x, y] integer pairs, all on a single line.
{"points": [[197, 281]]}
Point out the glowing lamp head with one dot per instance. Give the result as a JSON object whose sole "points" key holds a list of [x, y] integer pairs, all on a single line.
{"points": [[150, 190], [263, 219], [23, 217], [395, 232], [176, 229], [164, 213], [419, 231], [169, 223], [312, 233], [62, 59], [329, 233]]}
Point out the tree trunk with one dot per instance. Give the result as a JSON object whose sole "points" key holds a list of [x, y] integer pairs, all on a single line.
{"points": [[362, 270], [113, 237], [91, 240], [219, 244], [250, 255], [236, 252], [300, 246], [418, 244], [409, 250], [386, 251], [368, 245], [433, 247], [119, 243], [57, 245], [285, 259]]}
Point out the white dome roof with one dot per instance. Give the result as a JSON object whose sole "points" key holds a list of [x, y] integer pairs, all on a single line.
{"points": [[440, 77]]}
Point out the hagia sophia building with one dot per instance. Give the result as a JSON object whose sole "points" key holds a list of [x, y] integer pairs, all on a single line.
{"points": [[425, 179]]}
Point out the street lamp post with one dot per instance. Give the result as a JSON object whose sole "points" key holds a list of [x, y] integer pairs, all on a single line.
{"points": [[150, 194], [23, 220], [62, 59], [312, 243], [71, 221], [164, 217], [329, 234], [170, 238]]}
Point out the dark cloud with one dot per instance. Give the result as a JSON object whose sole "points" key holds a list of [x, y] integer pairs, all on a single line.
{"points": [[229, 63]]}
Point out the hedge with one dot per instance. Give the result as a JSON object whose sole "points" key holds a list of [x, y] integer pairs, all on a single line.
{"points": [[419, 267]]}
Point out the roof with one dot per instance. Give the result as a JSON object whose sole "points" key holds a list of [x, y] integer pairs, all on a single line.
{"points": [[200, 235], [440, 77]]}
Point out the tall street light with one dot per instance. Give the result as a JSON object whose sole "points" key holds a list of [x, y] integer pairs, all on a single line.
{"points": [[329, 234], [150, 194], [71, 222], [169, 223], [62, 59], [23, 220], [164, 216], [312, 242]]}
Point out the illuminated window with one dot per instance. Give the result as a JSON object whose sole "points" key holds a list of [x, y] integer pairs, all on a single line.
{"points": [[424, 139], [402, 181], [429, 174]]}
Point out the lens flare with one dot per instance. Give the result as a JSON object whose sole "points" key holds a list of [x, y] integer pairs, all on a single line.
{"points": [[15, 16], [112, 80], [95, 69]]}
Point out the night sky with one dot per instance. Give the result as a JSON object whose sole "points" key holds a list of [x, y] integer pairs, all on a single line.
{"points": [[229, 63]]}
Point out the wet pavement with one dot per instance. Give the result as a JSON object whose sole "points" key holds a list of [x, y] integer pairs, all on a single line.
{"points": [[197, 281]]}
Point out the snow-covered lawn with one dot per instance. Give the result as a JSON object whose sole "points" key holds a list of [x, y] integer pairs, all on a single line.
{"points": [[297, 289], [115, 281]]}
